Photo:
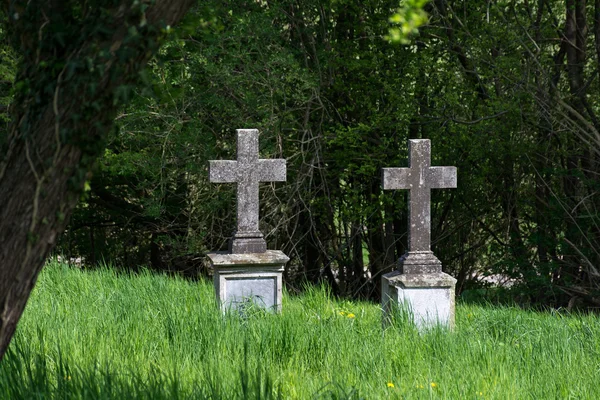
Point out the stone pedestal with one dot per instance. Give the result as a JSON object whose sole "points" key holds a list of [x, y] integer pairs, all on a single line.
{"points": [[248, 278], [247, 242], [427, 295], [419, 284]]}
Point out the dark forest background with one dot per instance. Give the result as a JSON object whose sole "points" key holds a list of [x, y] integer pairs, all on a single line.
{"points": [[507, 91]]}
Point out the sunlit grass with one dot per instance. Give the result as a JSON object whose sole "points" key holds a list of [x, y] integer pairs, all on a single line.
{"points": [[102, 335]]}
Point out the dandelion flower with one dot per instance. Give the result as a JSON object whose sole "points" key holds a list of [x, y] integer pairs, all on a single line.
{"points": [[390, 385], [433, 385], [350, 315]]}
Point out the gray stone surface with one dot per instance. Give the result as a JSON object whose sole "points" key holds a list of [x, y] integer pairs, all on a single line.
{"points": [[242, 261], [428, 297], [419, 262], [243, 279], [260, 291], [419, 283], [247, 172], [419, 178]]}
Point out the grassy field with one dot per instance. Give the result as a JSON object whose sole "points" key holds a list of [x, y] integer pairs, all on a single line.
{"points": [[101, 335]]}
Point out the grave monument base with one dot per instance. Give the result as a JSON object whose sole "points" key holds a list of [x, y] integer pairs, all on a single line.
{"points": [[248, 245], [250, 278], [428, 296]]}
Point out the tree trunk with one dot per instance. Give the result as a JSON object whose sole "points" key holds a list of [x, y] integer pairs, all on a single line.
{"points": [[76, 66], [597, 32], [376, 241], [575, 31], [358, 264], [311, 256]]}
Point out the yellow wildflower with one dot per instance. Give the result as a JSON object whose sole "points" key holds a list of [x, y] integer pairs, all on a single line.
{"points": [[433, 385], [350, 315], [390, 385]]}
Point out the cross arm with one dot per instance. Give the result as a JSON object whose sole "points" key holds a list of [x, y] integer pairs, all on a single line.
{"points": [[272, 170], [442, 177], [396, 178], [222, 171]]}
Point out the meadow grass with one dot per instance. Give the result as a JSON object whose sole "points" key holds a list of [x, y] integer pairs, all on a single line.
{"points": [[102, 335]]}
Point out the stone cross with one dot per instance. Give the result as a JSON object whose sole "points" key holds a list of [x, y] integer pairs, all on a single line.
{"points": [[419, 178], [247, 172]]}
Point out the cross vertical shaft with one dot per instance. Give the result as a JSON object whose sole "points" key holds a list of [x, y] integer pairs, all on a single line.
{"points": [[419, 178], [247, 172], [419, 197], [247, 184]]}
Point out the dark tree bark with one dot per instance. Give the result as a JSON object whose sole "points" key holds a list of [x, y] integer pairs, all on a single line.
{"points": [[448, 21], [358, 265], [575, 29], [311, 256], [376, 240], [77, 63], [597, 32]]}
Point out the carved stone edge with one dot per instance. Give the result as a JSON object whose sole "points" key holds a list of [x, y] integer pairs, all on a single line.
{"points": [[419, 258], [247, 245], [419, 262], [273, 258], [434, 280]]}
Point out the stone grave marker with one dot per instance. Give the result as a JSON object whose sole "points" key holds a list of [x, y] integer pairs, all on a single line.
{"points": [[248, 273], [419, 282]]}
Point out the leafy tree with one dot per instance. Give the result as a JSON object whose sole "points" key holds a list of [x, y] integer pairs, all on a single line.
{"points": [[77, 62], [496, 86], [528, 126], [287, 71]]}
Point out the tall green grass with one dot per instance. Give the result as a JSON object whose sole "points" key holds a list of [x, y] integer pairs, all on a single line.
{"points": [[101, 335]]}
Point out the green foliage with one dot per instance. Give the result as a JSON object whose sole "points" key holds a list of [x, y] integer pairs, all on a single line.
{"points": [[75, 64], [103, 335], [407, 20], [338, 101], [185, 115], [8, 61]]}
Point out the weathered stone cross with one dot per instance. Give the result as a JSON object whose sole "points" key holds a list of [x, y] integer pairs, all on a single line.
{"points": [[247, 172], [419, 178]]}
